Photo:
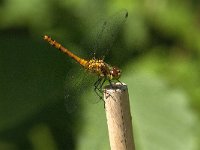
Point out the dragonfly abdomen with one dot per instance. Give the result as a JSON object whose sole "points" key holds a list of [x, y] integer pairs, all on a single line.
{"points": [[57, 45], [96, 66]]}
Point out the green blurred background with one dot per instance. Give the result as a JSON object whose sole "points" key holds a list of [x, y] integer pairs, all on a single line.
{"points": [[158, 49]]}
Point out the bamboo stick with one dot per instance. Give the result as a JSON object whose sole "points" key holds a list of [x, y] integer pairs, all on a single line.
{"points": [[118, 116]]}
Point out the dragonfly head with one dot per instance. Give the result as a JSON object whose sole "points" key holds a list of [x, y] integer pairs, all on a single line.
{"points": [[115, 73]]}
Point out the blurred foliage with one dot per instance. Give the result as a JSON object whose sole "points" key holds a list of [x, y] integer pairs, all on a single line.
{"points": [[158, 47]]}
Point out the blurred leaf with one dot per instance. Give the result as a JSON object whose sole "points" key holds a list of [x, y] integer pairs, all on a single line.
{"points": [[21, 12], [94, 130], [27, 83], [180, 69], [42, 138], [174, 20], [7, 146]]}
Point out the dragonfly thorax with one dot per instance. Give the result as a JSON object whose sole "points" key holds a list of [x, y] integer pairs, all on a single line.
{"points": [[102, 69], [98, 66]]}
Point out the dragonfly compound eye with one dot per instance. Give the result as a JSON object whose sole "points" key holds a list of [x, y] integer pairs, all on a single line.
{"points": [[115, 73]]}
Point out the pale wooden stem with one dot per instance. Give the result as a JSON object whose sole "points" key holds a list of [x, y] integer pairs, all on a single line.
{"points": [[118, 115]]}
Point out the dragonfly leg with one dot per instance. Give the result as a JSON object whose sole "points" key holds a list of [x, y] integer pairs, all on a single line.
{"points": [[99, 88], [101, 85], [120, 82], [97, 82], [107, 94], [96, 89], [110, 83]]}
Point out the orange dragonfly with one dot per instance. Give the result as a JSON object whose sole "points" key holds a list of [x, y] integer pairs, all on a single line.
{"points": [[96, 66]]}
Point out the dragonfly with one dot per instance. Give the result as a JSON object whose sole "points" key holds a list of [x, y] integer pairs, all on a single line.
{"points": [[96, 66]]}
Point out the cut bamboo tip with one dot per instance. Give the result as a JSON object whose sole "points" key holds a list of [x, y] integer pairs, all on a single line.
{"points": [[118, 116]]}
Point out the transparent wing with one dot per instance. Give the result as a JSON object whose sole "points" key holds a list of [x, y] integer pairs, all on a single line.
{"points": [[100, 41], [103, 35], [78, 83]]}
